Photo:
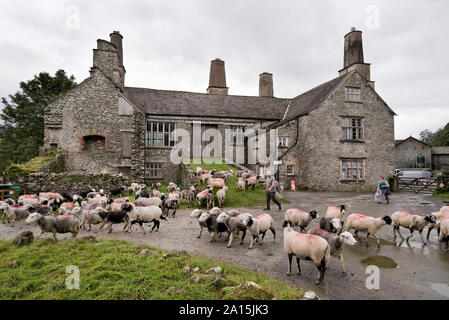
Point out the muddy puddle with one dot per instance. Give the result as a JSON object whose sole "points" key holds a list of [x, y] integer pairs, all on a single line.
{"points": [[381, 262]]}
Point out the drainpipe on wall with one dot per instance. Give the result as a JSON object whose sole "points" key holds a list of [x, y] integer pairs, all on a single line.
{"points": [[145, 149]]}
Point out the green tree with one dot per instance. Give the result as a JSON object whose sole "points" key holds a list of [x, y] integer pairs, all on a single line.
{"points": [[23, 116], [441, 136], [426, 136]]}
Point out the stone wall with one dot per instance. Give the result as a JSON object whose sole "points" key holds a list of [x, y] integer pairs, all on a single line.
{"points": [[70, 183], [320, 147]]}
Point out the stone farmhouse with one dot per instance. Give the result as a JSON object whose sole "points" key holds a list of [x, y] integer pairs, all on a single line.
{"points": [[336, 136]]}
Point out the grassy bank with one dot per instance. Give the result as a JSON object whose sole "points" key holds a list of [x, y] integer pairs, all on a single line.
{"points": [[444, 196], [111, 269], [234, 197]]}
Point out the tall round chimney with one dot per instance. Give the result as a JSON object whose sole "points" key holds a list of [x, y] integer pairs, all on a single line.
{"points": [[266, 85], [116, 39], [217, 78], [353, 48]]}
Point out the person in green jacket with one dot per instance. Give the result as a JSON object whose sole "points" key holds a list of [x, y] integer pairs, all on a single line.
{"points": [[384, 188]]}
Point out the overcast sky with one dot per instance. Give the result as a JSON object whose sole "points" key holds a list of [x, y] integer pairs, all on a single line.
{"points": [[169, 45]]}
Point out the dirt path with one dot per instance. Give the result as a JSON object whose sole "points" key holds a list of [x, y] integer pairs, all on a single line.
{"points": [[422, 272]]}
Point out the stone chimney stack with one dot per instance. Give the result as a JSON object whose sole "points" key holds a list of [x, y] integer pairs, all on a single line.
{"points": [[217, 78], [116, 39], [266, 85], [353, 56]]}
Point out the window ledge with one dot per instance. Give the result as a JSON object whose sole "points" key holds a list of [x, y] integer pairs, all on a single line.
{"points": [[351, 180], [352, 140], [159, 147], [352, 101]]}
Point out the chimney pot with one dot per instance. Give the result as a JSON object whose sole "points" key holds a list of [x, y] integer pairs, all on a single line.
{"points": [[217, 78], [266, 84]]}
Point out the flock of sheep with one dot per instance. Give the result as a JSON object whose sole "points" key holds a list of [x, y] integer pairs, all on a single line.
{"points": [[318, 244], [315, 244]]}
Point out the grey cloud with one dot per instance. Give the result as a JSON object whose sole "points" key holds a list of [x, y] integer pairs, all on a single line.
{"points": [[169, 45]]}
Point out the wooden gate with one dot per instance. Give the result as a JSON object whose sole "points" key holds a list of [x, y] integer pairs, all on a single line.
{"points": [[422, 185]]}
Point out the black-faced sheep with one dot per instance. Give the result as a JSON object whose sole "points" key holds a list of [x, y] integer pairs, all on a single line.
{"points": [[117, 191], [58, 224], [330, 224], [259, 225], [335, 212], [441, 216], [308, 247], [411, 222], [336, 243], [251, 182], [141, 215], [142, 193], [115, 217], [300, 218], [367, 224], [234, 225]]}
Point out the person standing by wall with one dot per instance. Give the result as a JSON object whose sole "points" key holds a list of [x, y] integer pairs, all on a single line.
{"points": [[271, 191], [384, 188]]}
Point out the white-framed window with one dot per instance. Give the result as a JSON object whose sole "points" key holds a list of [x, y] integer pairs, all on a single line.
{"points": [[352, 128], [353, 94], [290, 170], [153, 170], [282, 142], [237, 135], [352, 169], [160, 134]]}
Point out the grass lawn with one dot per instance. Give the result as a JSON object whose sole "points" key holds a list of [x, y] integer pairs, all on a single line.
{"points": [[444, 196], [111, 269]]}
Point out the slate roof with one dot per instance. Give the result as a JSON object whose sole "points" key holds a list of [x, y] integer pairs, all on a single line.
{"points": [[398, 142], [312, 99], [180, 103]]}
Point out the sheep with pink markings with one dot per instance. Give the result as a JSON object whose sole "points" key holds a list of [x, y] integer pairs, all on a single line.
{"points": [[259, 225], [367, 224], [297, 217]]}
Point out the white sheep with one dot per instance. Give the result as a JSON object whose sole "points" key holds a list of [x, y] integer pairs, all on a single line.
{"points": [[336, 243], [216, 182], [143, 215], [221, 195], [444, 209], [145, 202], [443, 231], [13, 214], [367, 224], [259, 225], [441, 216], [251, 181], [308, 247], [335, 212], [300, 218], [412, 222], [241, 184], [89, 216]]}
